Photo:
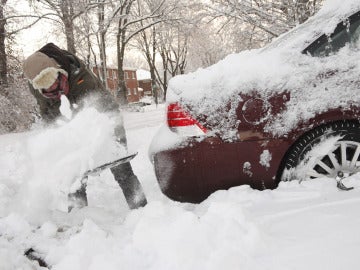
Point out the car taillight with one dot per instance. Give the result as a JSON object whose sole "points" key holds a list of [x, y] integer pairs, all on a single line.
{"points": [[181, 122]]}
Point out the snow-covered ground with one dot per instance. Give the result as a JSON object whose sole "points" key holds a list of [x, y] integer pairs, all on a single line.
{"points": [[307, 225]]}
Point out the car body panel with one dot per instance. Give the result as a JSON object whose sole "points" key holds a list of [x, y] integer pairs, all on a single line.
{"points": [[191, 174]]}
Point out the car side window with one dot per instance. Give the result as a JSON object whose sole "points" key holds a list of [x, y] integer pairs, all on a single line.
{"points": [[347, 32]]}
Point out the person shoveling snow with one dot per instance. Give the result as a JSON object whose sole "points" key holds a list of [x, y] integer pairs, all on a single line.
{"points": [[58, 78]]}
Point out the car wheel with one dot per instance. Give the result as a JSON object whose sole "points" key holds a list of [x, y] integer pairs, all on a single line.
{"points": [[330, 150]]}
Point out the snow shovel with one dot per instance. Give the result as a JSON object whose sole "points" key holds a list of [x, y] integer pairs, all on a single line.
{"points": [[78, 199]]}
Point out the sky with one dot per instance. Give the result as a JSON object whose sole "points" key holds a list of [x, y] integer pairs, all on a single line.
{"points": [[33, 38]]}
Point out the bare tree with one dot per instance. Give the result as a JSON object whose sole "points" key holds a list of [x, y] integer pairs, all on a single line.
{"points": [[272, 17], [176, 53], [65, 13], [102, 43], [173, 48], [166, 45], [207, 46], [133, 19], [3, 57], [106, 12], [127, 18], [147, 44], [16, 104], [9, 26], [93, 25]]}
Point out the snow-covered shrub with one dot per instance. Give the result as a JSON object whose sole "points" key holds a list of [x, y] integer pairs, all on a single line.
{"points": [[17, 107]]}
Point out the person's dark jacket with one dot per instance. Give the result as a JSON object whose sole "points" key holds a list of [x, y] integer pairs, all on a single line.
{"points": [[82, 83]]}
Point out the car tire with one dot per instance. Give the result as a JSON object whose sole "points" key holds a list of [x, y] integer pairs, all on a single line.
{"points": [[329, 150]]}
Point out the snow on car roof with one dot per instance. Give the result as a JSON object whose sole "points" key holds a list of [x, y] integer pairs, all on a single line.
{"points": [[324, 22], [281, 66]]}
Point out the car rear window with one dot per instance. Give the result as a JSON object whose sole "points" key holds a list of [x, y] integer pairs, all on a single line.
{"points": [[347, 32]]}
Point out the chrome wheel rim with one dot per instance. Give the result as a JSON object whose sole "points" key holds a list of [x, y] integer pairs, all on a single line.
{"points": [[341, 161]]}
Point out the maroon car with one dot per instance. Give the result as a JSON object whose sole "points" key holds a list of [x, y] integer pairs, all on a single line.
{"points": [[287, 111]]}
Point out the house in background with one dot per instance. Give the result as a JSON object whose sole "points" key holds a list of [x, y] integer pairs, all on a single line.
{"points": [[134, 92]]}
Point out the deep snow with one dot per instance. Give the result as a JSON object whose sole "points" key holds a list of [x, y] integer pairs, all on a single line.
{"points": [[307, 225]]}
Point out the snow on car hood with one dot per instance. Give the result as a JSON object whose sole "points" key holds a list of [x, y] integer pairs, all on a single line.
{"points": [[279, 66]]}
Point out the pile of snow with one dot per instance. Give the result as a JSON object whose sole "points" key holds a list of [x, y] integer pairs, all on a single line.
{"points": [[147, 100], [53, 159]]}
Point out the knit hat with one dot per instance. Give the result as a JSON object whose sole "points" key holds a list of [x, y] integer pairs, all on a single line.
{"points": [[42, 70]]}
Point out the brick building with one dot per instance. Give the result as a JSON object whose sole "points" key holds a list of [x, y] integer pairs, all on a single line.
{"points": [[133, 93]]}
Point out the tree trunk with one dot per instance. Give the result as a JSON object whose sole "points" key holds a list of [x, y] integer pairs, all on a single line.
{"points": [[3, 58], [67, 14], [121, 91], [154, 87], [88, 55], [165, 62], [70, 39], [150, 54], [103, 62]]}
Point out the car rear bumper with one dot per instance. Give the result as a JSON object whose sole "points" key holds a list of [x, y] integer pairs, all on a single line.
{"points": [[192, 173]]}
